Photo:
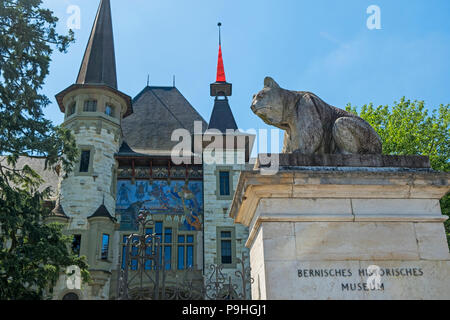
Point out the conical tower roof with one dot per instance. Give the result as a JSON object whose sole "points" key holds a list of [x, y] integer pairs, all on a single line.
{"points": [[98, 68], [99, 62], [222, 117]]}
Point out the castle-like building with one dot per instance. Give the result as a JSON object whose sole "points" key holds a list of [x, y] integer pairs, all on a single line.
{"points": [[126, 168]]}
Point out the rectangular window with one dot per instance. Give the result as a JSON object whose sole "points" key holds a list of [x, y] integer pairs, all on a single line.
{"points": [[85, 160], [168, 248], [76, 244], [124, 250], [181, 244], [159, 228], [148, 251], [190, 257], [105, 246], [168, 257], [72, 109], [168, 235], [180, 257], [176, 251], [134, 254], [225, 247], [185, 252], [190, 251], [224, 183], [90, 106], [109, 110], [165, 247]]}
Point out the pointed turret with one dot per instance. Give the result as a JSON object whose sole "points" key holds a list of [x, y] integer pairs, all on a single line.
{"points": [[98, 68], [222, 117], [99, 62]]}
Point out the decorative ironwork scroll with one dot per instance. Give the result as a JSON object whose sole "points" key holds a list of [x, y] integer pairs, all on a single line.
{"points": [[157, 283]]}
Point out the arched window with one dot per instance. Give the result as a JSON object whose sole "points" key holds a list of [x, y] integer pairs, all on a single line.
{"points": [[90, 106], [109, 110]]}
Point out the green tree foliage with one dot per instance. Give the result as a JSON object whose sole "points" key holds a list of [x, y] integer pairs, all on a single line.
{"points": [[32, 254], [408, 128]]}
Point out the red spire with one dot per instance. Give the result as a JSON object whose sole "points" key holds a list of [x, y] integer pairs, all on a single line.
{"points": [[220, 69]]}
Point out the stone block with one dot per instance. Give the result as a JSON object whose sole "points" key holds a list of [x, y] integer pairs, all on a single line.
{"points": [[317, 241], [432, 241]]}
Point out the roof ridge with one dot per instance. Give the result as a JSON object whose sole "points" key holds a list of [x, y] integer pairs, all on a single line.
{"points": [[170, 111], [192, 107]]}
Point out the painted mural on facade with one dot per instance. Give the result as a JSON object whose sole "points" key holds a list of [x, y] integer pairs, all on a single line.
{"points": [[178, 198]]}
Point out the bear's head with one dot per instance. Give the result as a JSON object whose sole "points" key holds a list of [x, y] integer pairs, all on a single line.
{"points": [[268, 104]]}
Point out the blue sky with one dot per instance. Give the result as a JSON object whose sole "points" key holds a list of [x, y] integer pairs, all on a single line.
{"points": [[323, 46]]}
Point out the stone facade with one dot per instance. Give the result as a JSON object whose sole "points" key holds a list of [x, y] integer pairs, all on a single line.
{"points": [[217, 217]]}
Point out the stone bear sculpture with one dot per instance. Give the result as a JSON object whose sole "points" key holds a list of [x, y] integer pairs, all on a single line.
{"points": [[311, 125]]}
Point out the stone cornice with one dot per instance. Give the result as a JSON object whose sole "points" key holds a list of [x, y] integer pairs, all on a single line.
{"points": [[354, 183]]}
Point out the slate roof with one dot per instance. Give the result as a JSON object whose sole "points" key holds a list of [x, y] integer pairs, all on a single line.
{"points": [[99, 62], [102, 211], [58, 211], [50, 178], [222, 117], [157, 112]]}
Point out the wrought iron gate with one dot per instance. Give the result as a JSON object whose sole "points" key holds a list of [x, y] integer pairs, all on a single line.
{"points": [[149, 279]]}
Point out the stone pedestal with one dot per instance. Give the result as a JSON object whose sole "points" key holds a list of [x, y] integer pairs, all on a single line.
{"points": [[362, 229]]}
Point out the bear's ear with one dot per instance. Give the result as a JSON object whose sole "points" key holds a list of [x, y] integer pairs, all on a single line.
{"points": [[270, 83]]}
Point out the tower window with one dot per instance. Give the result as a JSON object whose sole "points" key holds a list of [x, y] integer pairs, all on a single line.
{"points": [[90, 106], [105, 246], [85, 160], [224, 182], [72, 109], [109, 110], [76, 244]]}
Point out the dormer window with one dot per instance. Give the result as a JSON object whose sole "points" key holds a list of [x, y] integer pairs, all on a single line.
{"points": [[90, 106], [72, 109], [109, 110]]}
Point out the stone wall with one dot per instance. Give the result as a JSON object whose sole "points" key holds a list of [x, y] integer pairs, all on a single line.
{"points": [[82, 195], [216, 214]]}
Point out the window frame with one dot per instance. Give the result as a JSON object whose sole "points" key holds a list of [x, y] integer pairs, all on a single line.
{"points": [[85, 104], [84, 167], [218, 172], [102, 257], [175, 233], [219, 239], [72, 107], [91, 161], [185, 245], [74, 241], [113, 109]]}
